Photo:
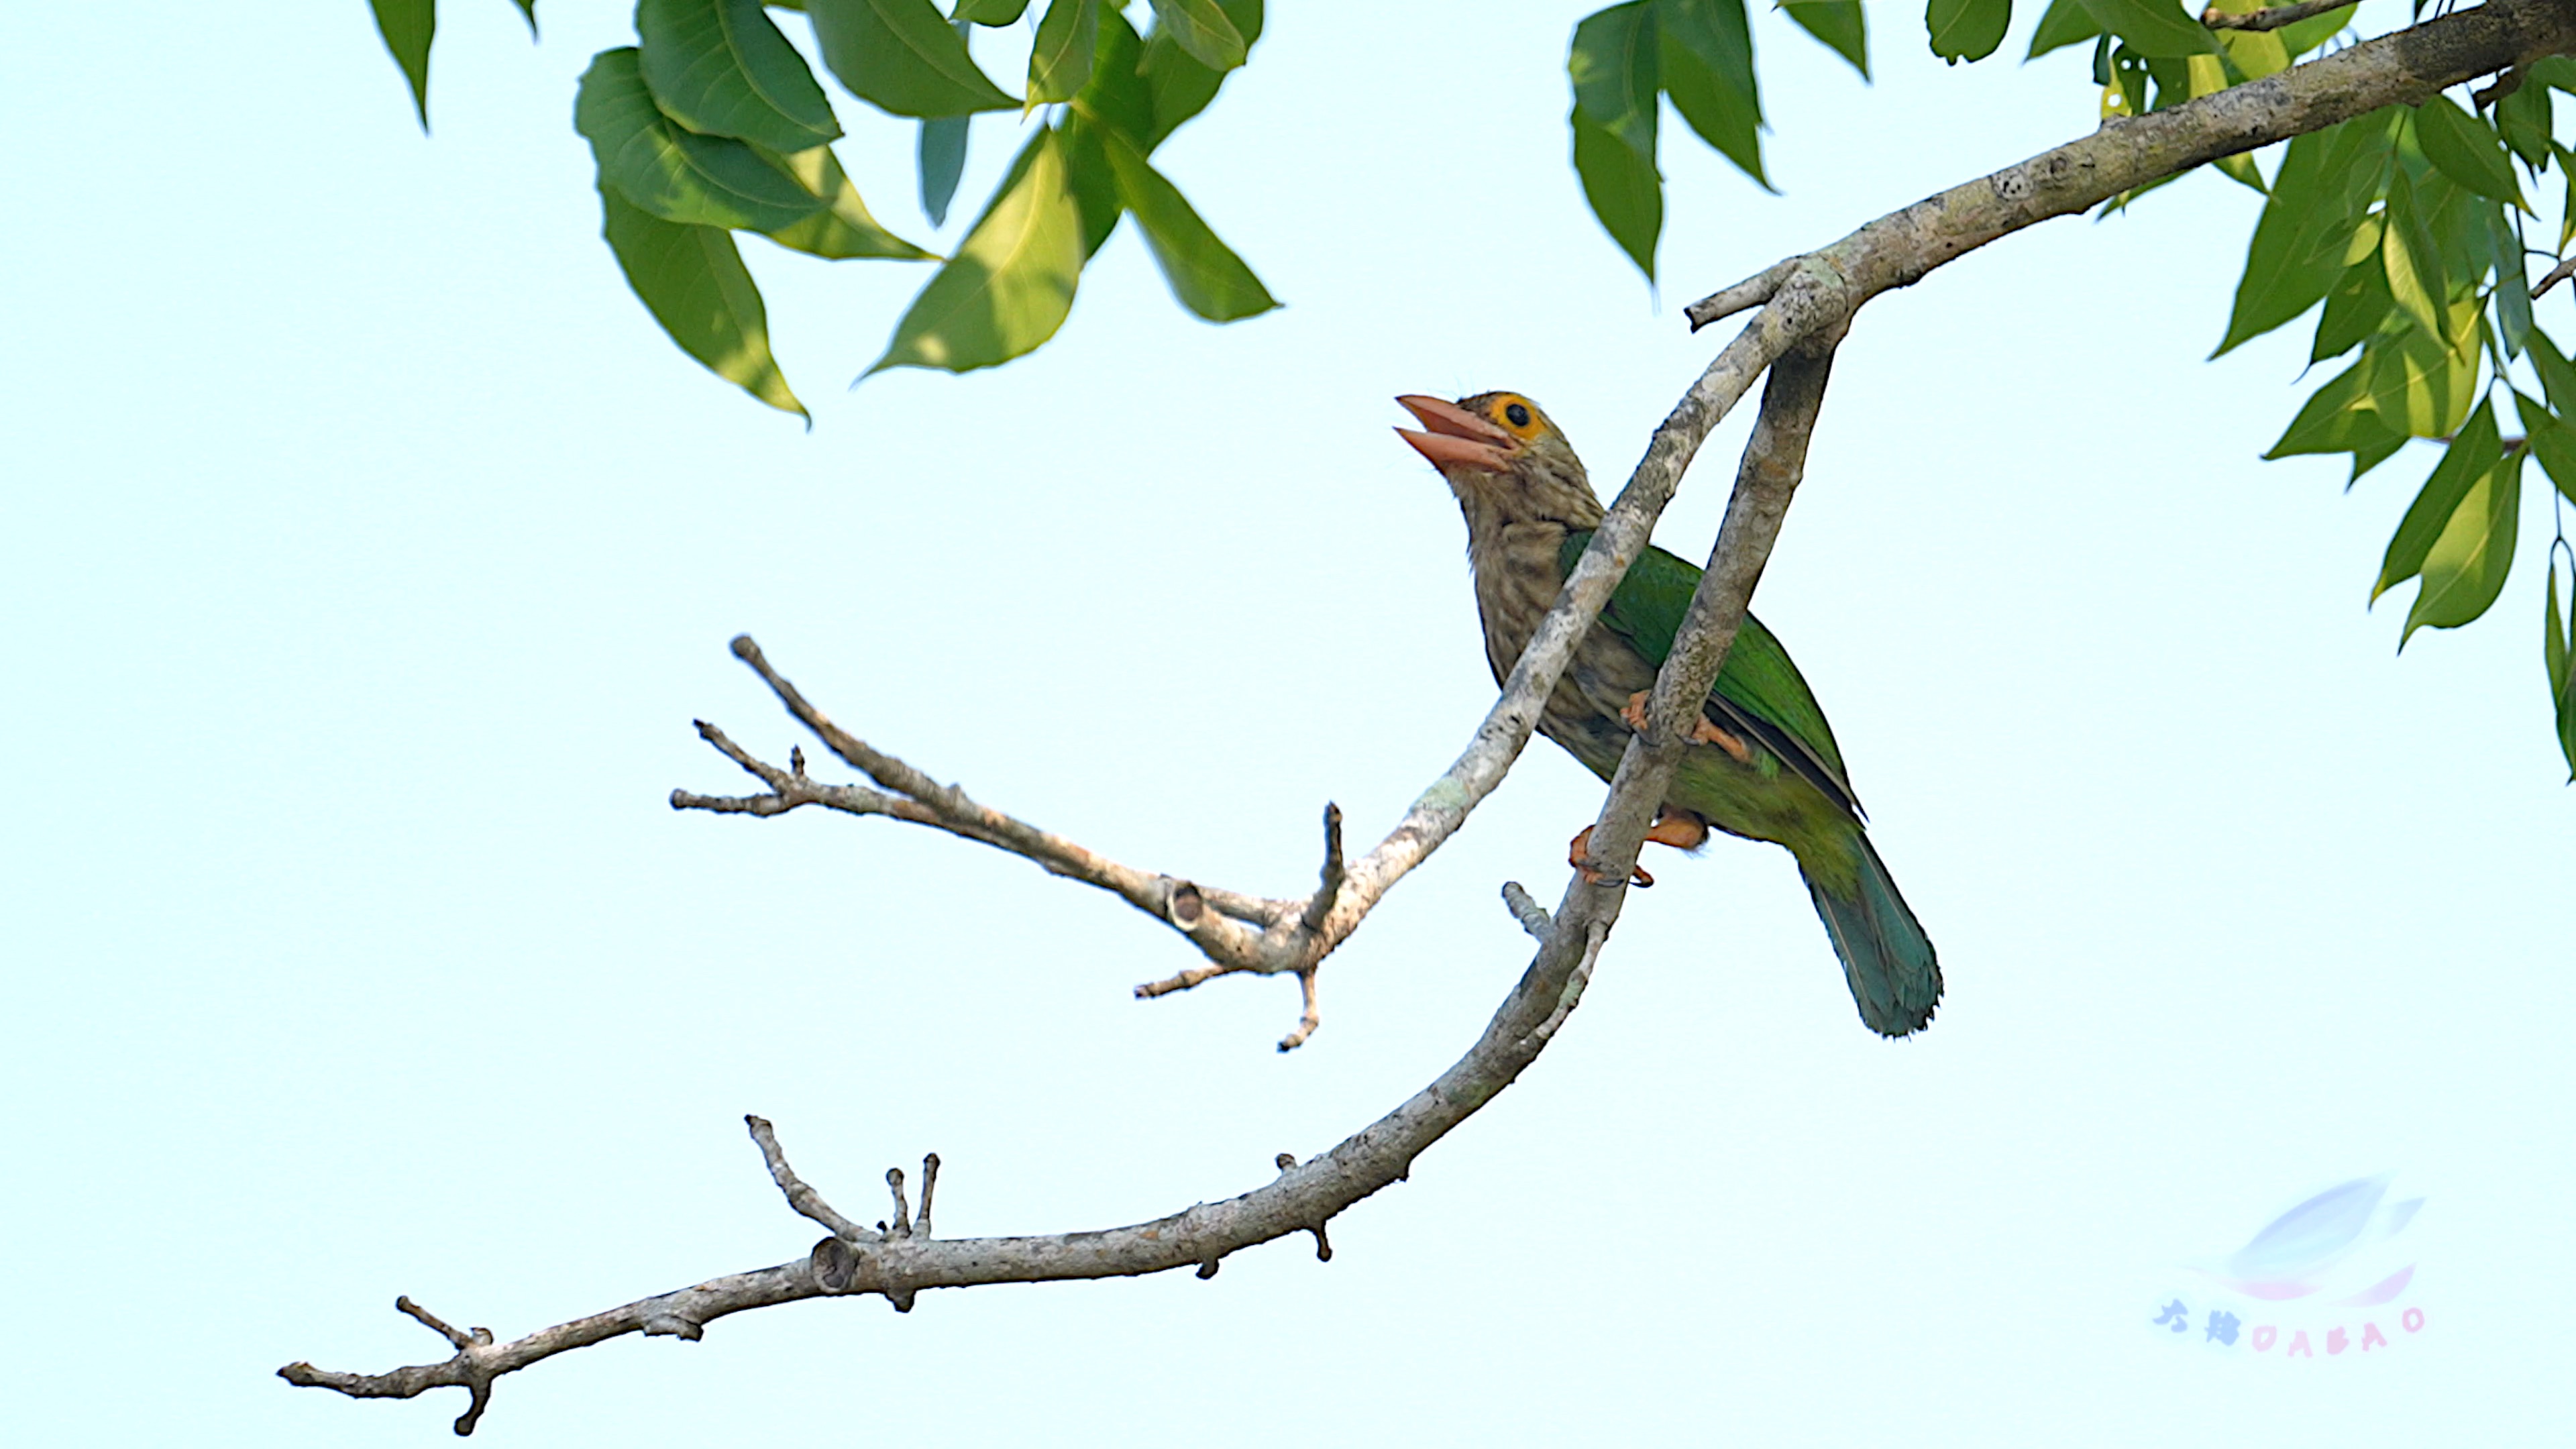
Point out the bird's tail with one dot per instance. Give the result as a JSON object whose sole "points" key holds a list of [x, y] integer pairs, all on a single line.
{"points": [[1894, 974]]}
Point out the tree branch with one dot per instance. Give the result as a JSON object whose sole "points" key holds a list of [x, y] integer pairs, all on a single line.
{"points": [[2272, 19], [1903, 247]]}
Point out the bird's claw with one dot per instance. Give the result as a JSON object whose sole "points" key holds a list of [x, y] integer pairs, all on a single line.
{"points": [[1633, 715], [1578, 855]]}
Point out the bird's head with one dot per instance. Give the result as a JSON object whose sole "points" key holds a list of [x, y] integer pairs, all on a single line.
{"points": [[1506, 462]]}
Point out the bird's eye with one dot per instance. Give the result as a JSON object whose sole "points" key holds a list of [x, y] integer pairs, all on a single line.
{"points": [[1518, 413]]}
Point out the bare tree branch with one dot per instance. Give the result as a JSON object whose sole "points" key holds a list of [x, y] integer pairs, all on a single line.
{"points": [[2272, 19]]}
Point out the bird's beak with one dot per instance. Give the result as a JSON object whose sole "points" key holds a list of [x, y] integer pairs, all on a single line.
{"points": [[1457, 436]]}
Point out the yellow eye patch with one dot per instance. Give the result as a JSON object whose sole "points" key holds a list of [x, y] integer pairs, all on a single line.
{"points": [[1516, 414]]}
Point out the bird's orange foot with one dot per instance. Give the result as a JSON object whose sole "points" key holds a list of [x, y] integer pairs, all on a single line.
{"points": [[1633, 715], [1677, 828]]}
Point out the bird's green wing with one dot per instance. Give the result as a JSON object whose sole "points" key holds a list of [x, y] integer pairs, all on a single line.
{"points": [[1759, 690]]}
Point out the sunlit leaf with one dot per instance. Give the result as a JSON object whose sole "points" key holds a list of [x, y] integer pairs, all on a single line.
{"points": [[990, 12], [407, 26], [2298, 249], [902, 57], [692, 280], [1966, 29], [2461, 147], [2152, 27], [2064, 23], [843, 228], [2255, 53], [1060, 59], [2413, 260], [1204, 30], [2355, 307], [1011, 283], [2337, 418], [1204, 273], [2301, 36], [1838, 23], [2421, 382], [676, 174], [720, 67], [2467, 565], [2468, 460], [1116, 102]]}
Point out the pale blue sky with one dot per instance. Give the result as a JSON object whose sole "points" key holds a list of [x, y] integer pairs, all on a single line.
{"points": [[368, 553]]}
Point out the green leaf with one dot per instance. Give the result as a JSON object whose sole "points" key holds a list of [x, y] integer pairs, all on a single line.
{"points": [[900, 56], [1011, 283], [1117, 102], [2557, 374], [2301, 36], [2523, 119], [2152, 27], [2461, 147], [1725, 111], [2558, 645], [2337, 418], [678, 175], [943, 160], [1839, 24], [2254, 53], [2354, 309], [1204, 273], [407, 26], [1060, 60], [2471, 456], [2467, 565], [1966, 29], [2299, 243], [1203, 30], [1623, 187], [2551, 441], [693, 282], [2512, 289], [990, 12], [2413, 260], [720, 68], [843, 228], [2422, 382], [528, 8], [1616, 80], [2064, 23], [1180, 83]]}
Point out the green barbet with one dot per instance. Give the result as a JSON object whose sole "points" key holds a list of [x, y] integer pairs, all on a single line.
{"points": [[1762, 763]]}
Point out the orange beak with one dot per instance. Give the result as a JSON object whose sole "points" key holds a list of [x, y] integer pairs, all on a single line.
{"points": [[1457, 437]]}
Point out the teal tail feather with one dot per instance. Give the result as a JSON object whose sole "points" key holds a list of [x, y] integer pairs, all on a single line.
{"points": [[1894, 974]]}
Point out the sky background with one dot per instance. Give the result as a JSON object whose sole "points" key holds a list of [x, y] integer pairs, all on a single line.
{"points": [[368, 552]]}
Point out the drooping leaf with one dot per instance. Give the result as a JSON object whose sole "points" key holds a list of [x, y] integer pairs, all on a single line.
{"points": [[901, 56], [692, 280], [1613, 63], [2326, 179], [1707, 70], [2412, 258], [407, 27], [2552, 441], [1838, 23], [2422, 382], [1204, 273], [1180, 83], [2471, 456], [1011, 283], [2467, 565], [1060, 60], [2512, 290], [2557, 374], [2355, 307], [2461, 147], [2064, 23], [719, 67], [1204, 31], [2152, 27], [843, 228], [528, 9], [2337, 418], [2558, 646], [1966, 29], [943, 160], [991, 13], [1116, 102], [676, 174], [2523, 119], [1625, 191]]}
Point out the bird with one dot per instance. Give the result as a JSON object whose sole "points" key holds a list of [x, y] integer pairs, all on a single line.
{"points": [[1762, 762]]}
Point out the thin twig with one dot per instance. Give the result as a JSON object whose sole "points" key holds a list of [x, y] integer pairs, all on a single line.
{"points": [[2554, 276], [2273, 18], [804, 1199], [1526, 910]]}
